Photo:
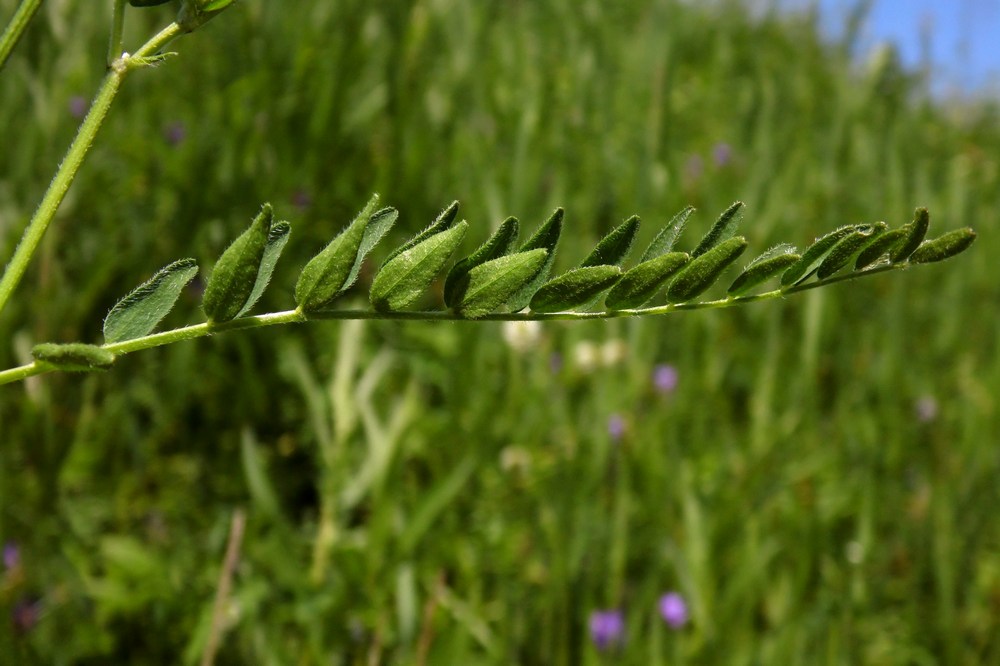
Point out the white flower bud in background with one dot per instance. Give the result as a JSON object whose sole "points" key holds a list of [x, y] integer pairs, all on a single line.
{"points": [[522, 336]]}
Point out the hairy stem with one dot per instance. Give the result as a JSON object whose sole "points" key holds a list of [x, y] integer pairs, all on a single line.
{"points": [[22, 17], [117, 28], [297, 317], [71, 163]]}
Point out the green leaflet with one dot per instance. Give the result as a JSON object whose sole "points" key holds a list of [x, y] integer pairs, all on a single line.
{"points": [[764, 267], [916, 229], [667, 237], [614, 247], [847, 248], [73, 357], [489, 285], [138, 313], [702, 271], [214, 5], [878, 246], [147, 3], [944, 246], [235, 273], [402, 280], [546, 238], [574, 288], [499, 244], [378, 226], [813, 255], [276, 239], [329, 273], [723, 228], [442, 222], [641, 283]]}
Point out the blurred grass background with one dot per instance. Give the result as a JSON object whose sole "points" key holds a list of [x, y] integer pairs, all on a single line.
{"points": [[820, 486]]}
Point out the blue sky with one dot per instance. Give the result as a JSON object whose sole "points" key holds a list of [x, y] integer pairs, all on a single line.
{"points": [[960, 37]]}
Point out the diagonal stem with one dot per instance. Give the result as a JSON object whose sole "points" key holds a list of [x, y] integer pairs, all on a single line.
{"points": [[71, 163], [22, 17]]}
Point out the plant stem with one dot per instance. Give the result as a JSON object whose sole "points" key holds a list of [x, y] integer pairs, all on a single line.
{"points": [[297, 317], [70, 165], [117, 28], [22, 17]]}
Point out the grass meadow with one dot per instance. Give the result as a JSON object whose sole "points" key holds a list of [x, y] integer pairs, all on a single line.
{"points": [[820, 484]]}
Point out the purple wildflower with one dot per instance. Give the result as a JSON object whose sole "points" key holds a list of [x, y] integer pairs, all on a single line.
{"points": [[722, 154], [607, 628], [555, 363], [616, 427], [694, 167], [665, 378], [25, 614], [673, 610], [175, 133], [926, 408], [78, 106], [302, 200], [11, 555]]}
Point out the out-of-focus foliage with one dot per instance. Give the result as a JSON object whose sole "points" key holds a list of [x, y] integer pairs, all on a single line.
{"points": [[820, 484]]}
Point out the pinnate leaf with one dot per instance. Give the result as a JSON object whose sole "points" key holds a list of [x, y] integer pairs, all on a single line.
{"points": [[498, 245], [723, 229], [702, 271], [74, 356], [235, 273], [138, 313], [640, 283], [546, 238], [488, 287], [614, 247], [575, 288], [403, 279], [944, 246]]}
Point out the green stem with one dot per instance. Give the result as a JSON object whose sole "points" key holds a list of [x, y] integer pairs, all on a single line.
{"points": [[297, 317], [70, 165], [117, 28], [10, 37]]}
